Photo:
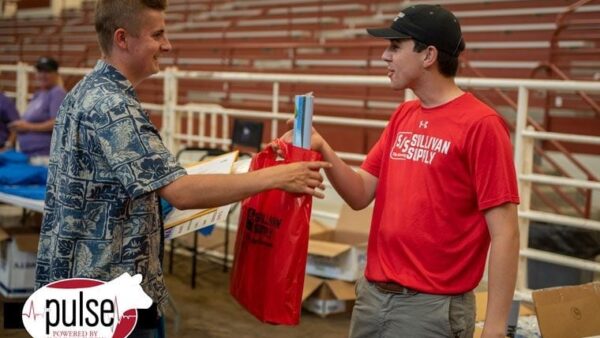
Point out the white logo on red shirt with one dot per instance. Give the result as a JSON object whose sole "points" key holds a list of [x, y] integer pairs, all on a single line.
{"points": [[418, 147]]}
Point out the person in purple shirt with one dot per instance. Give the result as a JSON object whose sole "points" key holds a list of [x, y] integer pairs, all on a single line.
{"points": [[8, 114], [34, 129]]}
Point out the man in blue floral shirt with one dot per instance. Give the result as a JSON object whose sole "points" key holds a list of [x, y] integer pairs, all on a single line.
{"points": [[108, 165]]}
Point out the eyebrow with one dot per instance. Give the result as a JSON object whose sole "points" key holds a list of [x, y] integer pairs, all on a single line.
{"points": [[395, 42]]}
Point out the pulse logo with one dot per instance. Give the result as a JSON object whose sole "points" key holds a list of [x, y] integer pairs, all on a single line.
{"points": [[80, 307]]}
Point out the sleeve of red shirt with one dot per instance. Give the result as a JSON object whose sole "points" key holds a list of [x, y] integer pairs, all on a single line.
{"points": [[490, 160], [372, 163]]}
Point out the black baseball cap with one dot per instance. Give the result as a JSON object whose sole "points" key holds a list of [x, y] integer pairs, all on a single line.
{"points": [[429, 24], [46, 64]]}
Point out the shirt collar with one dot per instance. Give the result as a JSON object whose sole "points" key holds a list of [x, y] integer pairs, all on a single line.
{"points": [[107, 70]]}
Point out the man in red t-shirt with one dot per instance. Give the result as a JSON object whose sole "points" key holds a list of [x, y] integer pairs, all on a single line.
{"points": [[444, 185]]}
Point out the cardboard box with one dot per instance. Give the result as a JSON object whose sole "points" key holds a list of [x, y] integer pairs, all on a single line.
{"points": [[517, 309], [569, 311], [317, 227], [326, 297], [340, 253], [18, 253]]}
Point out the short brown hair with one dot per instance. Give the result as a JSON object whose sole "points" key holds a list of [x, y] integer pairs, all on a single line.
{"points": [[447, 64], [111, 15]]}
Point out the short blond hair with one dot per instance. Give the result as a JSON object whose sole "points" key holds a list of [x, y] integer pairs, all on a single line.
{"points": [[111, 15]]}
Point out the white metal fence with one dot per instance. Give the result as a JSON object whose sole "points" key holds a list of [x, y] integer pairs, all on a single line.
{"points": [[203, 114]]}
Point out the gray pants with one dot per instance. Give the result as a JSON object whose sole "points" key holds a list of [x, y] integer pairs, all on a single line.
{"points": [[380, 314]]}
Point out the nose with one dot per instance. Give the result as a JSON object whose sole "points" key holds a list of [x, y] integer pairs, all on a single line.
{"points": [[386, 55], [166, 45]]}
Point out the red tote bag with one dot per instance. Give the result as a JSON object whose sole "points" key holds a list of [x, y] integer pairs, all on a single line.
{"points": [[272, 242]]}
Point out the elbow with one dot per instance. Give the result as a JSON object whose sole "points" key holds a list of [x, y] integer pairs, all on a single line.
{"points": [[174, 194], [357, 201], [357, 204], [178, 203]]}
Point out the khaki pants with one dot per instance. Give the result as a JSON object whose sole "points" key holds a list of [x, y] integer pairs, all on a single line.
{"points": [[381, 314]]}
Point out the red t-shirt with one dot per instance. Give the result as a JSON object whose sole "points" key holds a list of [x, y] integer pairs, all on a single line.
{"points": [[438, 170]]}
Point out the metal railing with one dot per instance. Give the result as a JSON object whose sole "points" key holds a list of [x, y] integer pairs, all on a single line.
{"points": [[198, 118], [584, 210]]}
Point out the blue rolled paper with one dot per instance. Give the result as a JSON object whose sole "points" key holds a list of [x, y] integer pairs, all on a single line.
{"points": [[303, 112]]}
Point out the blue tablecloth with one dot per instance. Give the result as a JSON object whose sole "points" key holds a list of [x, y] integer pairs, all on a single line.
{"points": [[36, 192]]}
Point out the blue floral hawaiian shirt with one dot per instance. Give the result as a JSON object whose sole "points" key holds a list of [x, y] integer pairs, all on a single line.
{"points": [[102, 213]]}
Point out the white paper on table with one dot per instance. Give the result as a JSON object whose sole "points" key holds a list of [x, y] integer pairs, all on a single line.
{"points": [[212, 217], [179, 222]]}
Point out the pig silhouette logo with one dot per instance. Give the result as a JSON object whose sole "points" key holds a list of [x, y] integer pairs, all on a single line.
{"points": [[80, 307]]}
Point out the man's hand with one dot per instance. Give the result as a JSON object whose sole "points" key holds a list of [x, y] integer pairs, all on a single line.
{"points": [[316, 140], [300, 177], [19, 126]]}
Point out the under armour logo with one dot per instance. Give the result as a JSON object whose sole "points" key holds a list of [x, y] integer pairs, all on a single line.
{"points": [[423, 124], [399, 16]]}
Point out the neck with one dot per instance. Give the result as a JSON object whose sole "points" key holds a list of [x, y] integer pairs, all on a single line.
{"points": [[123, 67], [435, 92]]}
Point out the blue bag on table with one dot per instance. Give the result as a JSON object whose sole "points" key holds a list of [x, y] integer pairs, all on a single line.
{"points": [[23, 174], [12, 156]]}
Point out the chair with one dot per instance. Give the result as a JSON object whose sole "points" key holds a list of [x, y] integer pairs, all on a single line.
{"points": [[246, 138]]}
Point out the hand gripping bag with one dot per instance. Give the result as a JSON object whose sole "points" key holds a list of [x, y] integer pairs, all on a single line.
{"points": [[272, 242]]}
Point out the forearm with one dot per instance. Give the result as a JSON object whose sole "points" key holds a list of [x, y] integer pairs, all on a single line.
{"points": [[503, 265], [346, 181], [42, 126], [25, 126], [10, 140], [206, 191]]}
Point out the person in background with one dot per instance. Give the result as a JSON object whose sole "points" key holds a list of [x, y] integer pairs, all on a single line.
{"points": [[444, 184], [8, 114], [34, 129]]}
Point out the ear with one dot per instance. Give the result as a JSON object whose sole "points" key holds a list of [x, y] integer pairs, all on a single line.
{"points": [[431, 54], [120, 38]]}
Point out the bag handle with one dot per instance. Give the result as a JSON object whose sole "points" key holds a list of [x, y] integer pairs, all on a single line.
{"points": [[283, 147]]}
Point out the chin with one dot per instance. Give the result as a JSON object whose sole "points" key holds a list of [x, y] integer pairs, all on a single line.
{"points": [[153, 70]]}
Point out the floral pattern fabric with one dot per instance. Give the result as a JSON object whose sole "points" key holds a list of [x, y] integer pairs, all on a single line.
{"points": [[102, 213]]}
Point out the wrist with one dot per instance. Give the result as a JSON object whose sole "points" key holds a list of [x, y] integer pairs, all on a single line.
{"points": [[326, 151], [266, 180], [493, 331]]}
